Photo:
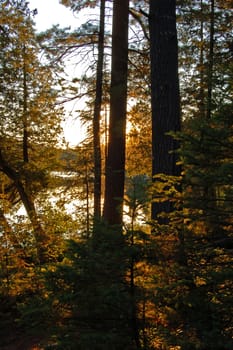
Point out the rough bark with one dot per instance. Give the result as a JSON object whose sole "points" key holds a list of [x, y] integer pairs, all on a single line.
{"points": [[115, 162], [210, 60], [165, 98], [25, 109], [96, 118]]}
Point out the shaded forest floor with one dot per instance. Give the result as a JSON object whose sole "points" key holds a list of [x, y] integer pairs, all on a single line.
{"points": [[23, 343], [14, 336], [16, 339]]}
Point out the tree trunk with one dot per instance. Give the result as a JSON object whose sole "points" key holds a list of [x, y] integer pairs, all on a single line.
{"points": [[201, 96], [25, 109], [210, 60], [210, 191], [96, 119], [115, 162], [39, 234], [165, 96]]}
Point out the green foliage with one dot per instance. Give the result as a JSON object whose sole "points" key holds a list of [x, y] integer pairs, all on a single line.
{"points": [[207, 153], [194, 55], [30, 126], [137, 196], [208, 159], [192, 274], [90, 289]]}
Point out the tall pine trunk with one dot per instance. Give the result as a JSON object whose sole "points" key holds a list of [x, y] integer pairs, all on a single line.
{"points": [[210, 60], [96, 118], [115, 162], [165, 96], [25, 109]]}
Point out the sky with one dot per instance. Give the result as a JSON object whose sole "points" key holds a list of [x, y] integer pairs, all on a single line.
{"points": [[50, 12]]}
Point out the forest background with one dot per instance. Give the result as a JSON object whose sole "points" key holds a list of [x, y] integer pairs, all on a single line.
{"points": [[124, 241]]}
